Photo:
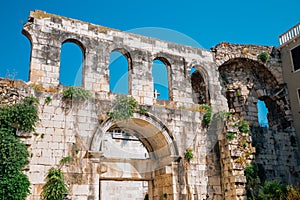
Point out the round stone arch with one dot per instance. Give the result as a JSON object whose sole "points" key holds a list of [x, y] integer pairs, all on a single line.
{"points": [[155, 136], [128, 57], [247, 81], [200, 85], [225, 52], [162, 149], [167, 62], [78, 43]]}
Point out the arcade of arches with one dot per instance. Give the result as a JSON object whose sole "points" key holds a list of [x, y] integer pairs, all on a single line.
{"points": [[145, 156]]}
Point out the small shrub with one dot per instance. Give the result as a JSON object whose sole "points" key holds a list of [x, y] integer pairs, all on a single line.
{"points": [[243, 126], [189, 154], [54, 188], [123, 108], [21, 116], [272, 190], [207, 117], [76, 93], [263, 57], [252, 185], [230, 135], [142, 110]]}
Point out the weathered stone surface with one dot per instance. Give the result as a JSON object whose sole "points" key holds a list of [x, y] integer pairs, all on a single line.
{"points": [[150, 148]]}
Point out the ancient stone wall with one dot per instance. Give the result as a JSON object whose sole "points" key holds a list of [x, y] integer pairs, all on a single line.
{"points": [[232, 77], [246, 80], [48, 32]]}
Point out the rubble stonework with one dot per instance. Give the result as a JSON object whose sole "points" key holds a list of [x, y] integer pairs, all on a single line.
{"points": [[234, 80]]}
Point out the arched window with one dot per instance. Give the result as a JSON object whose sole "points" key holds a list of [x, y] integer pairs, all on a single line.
{"points": [[118, 73], [26, 58], [160, 80], [71, 60], [199, 87], [262, 114]]}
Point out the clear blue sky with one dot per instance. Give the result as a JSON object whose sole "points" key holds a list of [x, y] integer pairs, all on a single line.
{"points": [[207, 22]]}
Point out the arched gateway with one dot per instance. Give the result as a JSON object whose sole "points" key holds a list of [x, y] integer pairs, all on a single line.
{"points": [[136, 153]]}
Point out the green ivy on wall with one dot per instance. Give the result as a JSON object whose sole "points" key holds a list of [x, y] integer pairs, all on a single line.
{"points": [[14, 184]]}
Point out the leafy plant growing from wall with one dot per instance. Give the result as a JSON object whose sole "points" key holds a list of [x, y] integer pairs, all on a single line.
{"points": [[76, 93], [54, 188], [272, 190], [230, 135], [243, 126], [14, 155], [48, 100], [123, 108], [22, 116], [252, 185], [14, 185], [207, 117], [263, 57], [189, 155]]}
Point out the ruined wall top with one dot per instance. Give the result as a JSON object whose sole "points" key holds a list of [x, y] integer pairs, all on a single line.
{"points": [[85, 29], [48, 32]]}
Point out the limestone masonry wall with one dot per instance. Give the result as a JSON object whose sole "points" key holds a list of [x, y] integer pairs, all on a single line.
{"points": [[145, 155]]}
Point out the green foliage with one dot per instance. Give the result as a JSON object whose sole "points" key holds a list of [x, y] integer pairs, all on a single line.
{"points": [[207, 117], [22, 116], [48, 100], [272, 190], [14, 155], [123, 108], [14, 186], [76, 93], [230, 135], [65, 160], [165, 195], [263, 57], [189, 154], [252, 186], [268, 190], [54, 188], [142, 110], [223, 115], [243, 126]]}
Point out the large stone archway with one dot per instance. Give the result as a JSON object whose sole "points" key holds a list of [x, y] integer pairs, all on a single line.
{"points": [[152, 175]]}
